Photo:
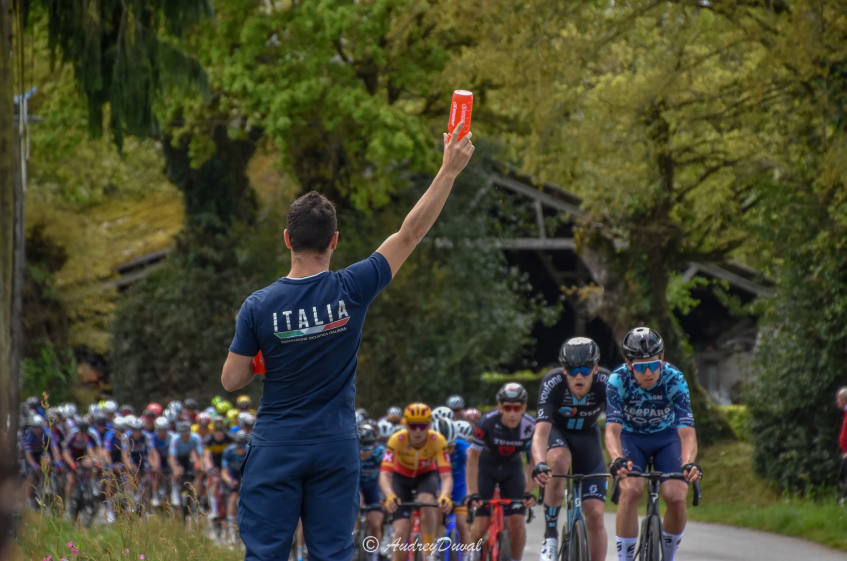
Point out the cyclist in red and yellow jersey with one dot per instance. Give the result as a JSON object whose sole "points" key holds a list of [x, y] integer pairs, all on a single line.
{"points": [[415, 458]]}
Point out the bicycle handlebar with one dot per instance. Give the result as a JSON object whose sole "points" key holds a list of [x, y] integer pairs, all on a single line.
{"points": [[530, 514], [656, 476], [418, 505], [368, 508]]}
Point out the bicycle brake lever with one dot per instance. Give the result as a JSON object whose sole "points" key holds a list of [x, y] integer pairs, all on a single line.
{"points": [[697, 493], [616, 490]]}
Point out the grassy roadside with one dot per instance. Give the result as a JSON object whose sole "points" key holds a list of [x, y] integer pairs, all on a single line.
{"points": [[733, 494], [154, 539]]}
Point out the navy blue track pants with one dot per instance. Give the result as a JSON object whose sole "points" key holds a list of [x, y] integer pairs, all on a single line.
{"points": [[316, 482]]}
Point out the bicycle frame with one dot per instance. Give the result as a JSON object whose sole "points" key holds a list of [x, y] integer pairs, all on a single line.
{"points": [[654, 481], [573, 500], [497, 524], [416, 524]]}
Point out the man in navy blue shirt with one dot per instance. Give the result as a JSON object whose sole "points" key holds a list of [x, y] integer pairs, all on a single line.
{"points": [[303, 460]]}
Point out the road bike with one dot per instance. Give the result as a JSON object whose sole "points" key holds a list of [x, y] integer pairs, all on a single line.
{"points": [[415, 542], [451, 532], [497, 547], [650, 539], [362, 532], [574, 533], [83, 502]]}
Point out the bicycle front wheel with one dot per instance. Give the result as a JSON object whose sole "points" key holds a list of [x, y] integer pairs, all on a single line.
{"points": [[504, 547], [417, 544], [578, 550], [452, 554], [651, 549]]}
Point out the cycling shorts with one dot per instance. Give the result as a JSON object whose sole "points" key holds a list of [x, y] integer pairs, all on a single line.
{"points": [[460, 491], [663, 448], [371, 494], [235, 475], [512, 481], [586, 457], [186, 463], [405, 487]]}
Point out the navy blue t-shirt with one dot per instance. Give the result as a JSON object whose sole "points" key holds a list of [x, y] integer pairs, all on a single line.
{"points": [[309, 331]]}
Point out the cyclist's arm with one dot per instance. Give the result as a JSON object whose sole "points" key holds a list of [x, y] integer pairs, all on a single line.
{"points": [[30, 459], [688, 437], [539, 444], [385, 483], [172, 462], [530, 483], [397, 248], [613, 440], [153, 458], [237, 372], [210, 463], [472, 471]]}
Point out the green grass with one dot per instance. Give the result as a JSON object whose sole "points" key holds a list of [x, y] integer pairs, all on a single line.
{"points": [[156, 538], [733, 494]]}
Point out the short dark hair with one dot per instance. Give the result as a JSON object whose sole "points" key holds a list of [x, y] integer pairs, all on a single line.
{"points": [[311, 223]]}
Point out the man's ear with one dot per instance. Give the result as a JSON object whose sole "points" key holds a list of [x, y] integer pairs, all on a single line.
{"points": [[334, 243], [287, 240]]}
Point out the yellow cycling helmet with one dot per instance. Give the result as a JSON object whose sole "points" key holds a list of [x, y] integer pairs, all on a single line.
{"points": [[417, 413], [223, 406], [232, 415], [243, 402]]}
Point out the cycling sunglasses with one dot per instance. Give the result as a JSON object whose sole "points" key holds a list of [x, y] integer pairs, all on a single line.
{"points": [[364, 448], [510, 408], [642, 367], [583, 370], [418, 426]]}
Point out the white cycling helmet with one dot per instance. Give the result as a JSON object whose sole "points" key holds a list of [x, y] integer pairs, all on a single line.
{"points": [[360, 418], [93, 409], [442, 413], [447, 430], [465, 430], [129, 421], [386, 428], [162, 423], [119, 423], [68, 410], [110, 406]]}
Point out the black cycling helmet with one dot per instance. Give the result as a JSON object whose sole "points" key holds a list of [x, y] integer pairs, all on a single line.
{"points": [[83, 427], [190, 403], [642, 342], [455, 402], [512, 392], [579, 351], [101, 420], [368, 435]]}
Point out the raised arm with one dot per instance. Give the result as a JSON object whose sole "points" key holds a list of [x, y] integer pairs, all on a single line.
{"points": [[397, 248]]}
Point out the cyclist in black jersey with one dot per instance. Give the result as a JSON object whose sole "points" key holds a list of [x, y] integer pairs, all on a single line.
{"points": [[570, 400], [501, 438]]}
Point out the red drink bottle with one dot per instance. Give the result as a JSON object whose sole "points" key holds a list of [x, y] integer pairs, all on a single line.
{"points": [[259, 363], [460, 110]]}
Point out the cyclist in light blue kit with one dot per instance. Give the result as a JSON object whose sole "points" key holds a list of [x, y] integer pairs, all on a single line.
{"points": [[371, 454], [185, 455], [648, 416]]}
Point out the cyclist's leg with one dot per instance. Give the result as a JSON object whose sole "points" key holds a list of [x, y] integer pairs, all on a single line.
{"points": [[559, 459], [512, 486], [331, 499], [427, 486], [668, 459], [632, 488], [371, 496], [588, 458], [272, 486], [403, 487], [486, 485]]}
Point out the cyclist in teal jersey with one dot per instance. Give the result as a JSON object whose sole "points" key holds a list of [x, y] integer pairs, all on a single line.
{"points": [[648, 418]]}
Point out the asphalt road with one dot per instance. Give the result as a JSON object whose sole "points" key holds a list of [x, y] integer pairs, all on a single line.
{"points": [[712, 542]]}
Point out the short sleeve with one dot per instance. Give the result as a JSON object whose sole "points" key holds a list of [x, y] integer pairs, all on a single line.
{"points": [[601, 379], [199, 445], [679, 396], [614, 399], [365, 279], [549, 395], [172, 445], [246, 340], [478, 441]]}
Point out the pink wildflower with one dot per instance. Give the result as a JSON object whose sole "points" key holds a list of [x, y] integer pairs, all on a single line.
{"points": [[70, 544], [48, 558], [142, 557], [74, 551]]}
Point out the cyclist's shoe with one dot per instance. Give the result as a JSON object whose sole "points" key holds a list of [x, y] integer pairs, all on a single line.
{"points": [[213, 515], [110, 517], [156, 502], [384, 548], [550, 549]]}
